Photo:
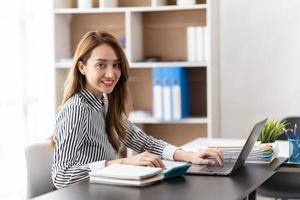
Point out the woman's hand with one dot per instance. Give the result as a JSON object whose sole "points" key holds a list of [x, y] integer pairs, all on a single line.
{"points": [[200, 157], [142, 159]]}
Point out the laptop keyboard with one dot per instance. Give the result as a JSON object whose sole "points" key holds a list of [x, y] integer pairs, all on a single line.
{"points": [[217, 168]]}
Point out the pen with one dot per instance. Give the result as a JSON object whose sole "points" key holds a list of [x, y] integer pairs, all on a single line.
{"points": [[287, 135], [290, 133], [295, 127]]}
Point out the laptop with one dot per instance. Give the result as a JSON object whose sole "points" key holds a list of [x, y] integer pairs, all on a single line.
{"points": [[230, 165]]}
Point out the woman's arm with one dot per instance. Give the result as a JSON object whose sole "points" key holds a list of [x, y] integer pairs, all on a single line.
{"points": [[140, 142], [148, 159], [142, 159], [67, 169], [200, 156]]}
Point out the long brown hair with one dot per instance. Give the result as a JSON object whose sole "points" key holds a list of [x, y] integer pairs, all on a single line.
{"points": [[118, 98]]}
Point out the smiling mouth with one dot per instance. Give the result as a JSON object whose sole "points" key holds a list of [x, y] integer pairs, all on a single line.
{"points": [[108, 83]]}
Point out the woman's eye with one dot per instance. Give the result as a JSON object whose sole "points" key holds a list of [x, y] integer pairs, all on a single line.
{"points": [[100, 65], [117, 65]]}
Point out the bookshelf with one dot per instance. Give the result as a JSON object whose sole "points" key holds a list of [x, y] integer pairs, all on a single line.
{"points": [[150, 28]]}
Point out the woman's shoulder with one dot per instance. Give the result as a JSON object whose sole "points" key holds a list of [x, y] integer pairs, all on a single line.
{"points": [[76, 102]]}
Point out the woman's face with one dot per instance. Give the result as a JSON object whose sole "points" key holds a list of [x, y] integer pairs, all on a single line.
{"points": [[102, 70]]}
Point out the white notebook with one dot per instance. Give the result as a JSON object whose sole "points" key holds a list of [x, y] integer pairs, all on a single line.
{"points": [[127, 182], [127, 172]]}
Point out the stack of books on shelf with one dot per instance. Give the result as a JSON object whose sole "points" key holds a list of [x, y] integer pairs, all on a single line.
{"points": [[131, 175], [260, 153], [170, 93]]}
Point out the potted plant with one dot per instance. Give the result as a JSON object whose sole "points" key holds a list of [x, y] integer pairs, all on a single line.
{"points": [[271, 130]]}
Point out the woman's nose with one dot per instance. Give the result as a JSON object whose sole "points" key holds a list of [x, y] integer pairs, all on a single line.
{"points": [[109, 72]]}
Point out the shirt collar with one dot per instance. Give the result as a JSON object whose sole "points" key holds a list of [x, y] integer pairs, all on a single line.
{"points": [[98, 104]]}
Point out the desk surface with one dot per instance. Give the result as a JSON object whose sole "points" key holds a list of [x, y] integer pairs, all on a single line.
{"points": [[236, 186]]}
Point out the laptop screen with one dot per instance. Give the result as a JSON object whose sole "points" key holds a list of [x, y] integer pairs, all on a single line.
{"points": [[249, 144]]}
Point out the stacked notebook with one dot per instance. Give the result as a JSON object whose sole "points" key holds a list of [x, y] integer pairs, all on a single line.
{"points": [[131, 175], [260, 153]]}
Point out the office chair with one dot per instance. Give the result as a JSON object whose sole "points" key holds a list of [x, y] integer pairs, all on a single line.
{"points": [[283, 185], [39, 159]]}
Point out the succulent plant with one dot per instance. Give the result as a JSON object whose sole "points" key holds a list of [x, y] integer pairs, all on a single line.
{"points": [[271, 130]]}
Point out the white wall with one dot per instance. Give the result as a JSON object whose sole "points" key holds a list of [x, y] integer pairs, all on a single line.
{"points": [[259, 62]]}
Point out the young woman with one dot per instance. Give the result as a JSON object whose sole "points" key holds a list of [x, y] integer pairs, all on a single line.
{"points": [[92, 121]]}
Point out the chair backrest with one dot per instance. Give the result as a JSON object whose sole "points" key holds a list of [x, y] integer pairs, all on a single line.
{"points": [[39, 158], [291, 123]]}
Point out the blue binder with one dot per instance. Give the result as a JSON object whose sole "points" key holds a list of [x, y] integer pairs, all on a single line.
{"points": [[167, 94], [170, 93], [180, 92], [157, 96]]}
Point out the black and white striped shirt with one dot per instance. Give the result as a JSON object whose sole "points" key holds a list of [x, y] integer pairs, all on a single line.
{"points": [[82, 144]]}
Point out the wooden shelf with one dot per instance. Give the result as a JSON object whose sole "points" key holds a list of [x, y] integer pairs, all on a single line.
{"points": [[147, 33], [66, 64], [166, 64], [128, 9], [190, 120]]}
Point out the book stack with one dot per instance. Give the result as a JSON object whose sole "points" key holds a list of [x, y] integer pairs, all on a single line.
{"points": [[260, 153], [132, 175], [170, 93]]}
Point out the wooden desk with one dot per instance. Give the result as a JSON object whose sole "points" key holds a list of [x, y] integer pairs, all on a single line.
{"points": [[237, 186]]}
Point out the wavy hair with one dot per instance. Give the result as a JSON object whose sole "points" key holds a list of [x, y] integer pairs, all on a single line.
{"points": [[118, 99]]}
